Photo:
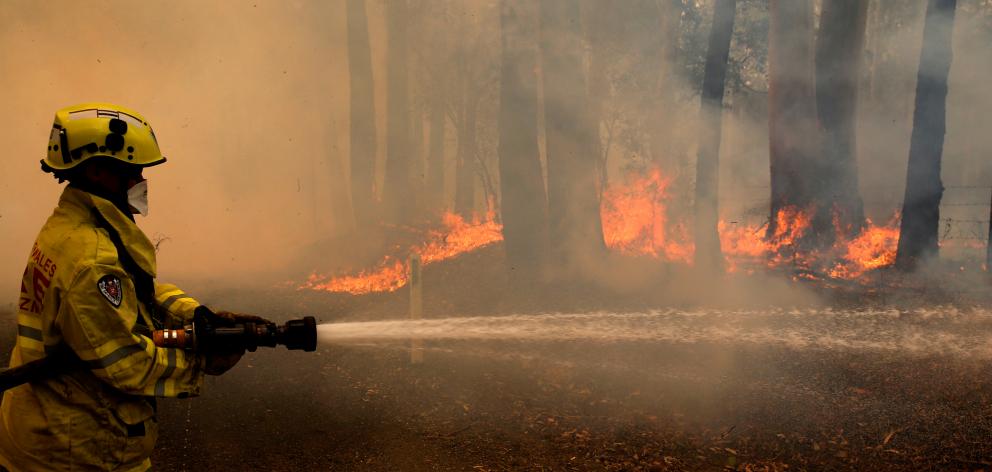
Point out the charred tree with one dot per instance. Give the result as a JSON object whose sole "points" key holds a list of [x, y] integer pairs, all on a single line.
{"points": [[523, 201], [435, 152], [417, 155], [708, 255], [598, 22], [362, 115], [465, 172], [663, 58], [793, 136], [924, 189], [398, 191], [839, 51], [573, 205]]}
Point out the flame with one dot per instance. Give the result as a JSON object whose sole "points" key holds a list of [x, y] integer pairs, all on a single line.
{"points": [[635, 220], [388, 277], [455, 237], [874, 248]]}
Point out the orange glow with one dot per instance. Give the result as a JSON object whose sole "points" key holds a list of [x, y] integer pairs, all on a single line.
{"points": [[635, 220], [389, 276], [874, 248], [455, 237]]}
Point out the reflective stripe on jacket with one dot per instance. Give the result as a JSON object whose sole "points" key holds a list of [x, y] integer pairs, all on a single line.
{"points": [[80, 295]]}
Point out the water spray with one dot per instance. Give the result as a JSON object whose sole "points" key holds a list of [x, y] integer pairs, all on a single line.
{"points": [[940, 331]]}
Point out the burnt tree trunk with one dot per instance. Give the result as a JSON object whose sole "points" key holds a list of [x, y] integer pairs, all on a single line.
{"points": [[418, 168], [435, 152], [598, 23], [708, 255], [793, 135], [466, 165], [362, 131], [523, 201], [664, 148], [397, 194], [573, 206], [839, 51], [924, 189]]}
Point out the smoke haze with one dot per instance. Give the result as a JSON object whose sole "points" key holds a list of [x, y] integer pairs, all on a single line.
{"points": [[248, 99], [250, 102]]}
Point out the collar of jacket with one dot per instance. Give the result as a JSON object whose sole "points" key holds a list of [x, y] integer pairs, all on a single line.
{"points": [[135, 242]]}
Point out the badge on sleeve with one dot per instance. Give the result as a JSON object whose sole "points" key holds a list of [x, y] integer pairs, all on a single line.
{"points": [[110, 287]]}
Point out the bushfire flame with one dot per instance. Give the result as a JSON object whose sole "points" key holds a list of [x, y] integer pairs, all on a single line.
{"points": [[456, 236], [636, 222]]}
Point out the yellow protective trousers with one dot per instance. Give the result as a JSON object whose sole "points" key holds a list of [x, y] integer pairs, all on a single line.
{"points": [[89, 290]]}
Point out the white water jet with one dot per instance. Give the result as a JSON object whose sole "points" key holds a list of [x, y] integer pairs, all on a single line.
{"points": [[925, 331]]}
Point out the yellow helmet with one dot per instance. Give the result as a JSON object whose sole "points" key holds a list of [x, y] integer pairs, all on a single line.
{"points": [[100, 129]]}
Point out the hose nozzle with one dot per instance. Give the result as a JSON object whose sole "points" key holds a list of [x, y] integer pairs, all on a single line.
{"points": [[298, 334]]}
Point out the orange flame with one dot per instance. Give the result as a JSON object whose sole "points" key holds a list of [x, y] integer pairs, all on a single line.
{"points": [[874, 248], [635, 220], [456, 237]]}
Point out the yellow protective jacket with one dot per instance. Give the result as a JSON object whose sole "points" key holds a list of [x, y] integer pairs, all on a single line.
{"points": [[82, 295]]}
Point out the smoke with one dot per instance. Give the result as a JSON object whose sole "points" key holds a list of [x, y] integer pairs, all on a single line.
{"points": [[248, 100]]}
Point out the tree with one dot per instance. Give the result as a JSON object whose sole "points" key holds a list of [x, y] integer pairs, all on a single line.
{"points": [[924, 189], [398, 192], [466, 169], [434, 57], [839, 52], [523, 201], [708, 254], [573, 205], [793, 136], [362, 114], [599, 22], [663, 58], [435, 152]]}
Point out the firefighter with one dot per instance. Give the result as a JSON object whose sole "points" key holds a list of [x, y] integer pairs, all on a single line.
{"points": [[89, 297]]}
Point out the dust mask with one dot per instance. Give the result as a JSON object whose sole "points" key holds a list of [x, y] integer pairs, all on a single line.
{"points": [[137, 197]]}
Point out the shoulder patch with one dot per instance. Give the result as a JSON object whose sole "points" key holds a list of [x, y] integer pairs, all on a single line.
{"points": [[110, 287]]}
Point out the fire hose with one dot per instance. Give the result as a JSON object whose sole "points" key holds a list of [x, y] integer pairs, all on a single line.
{"points": [[201, 335]]}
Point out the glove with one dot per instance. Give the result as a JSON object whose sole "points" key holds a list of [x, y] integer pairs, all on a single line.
{"points": [[219, 359], [220, 362], [240, 317], [205, 317], [209, 318]]}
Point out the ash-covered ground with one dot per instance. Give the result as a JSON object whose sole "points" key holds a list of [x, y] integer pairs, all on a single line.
{"points": [[867, 384]]}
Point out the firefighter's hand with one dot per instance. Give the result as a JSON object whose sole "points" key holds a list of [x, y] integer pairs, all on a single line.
{"points": [[240, 317], [220, 362]]}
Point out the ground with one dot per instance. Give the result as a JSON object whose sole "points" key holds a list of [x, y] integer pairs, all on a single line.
{"points": [[566, 405]]}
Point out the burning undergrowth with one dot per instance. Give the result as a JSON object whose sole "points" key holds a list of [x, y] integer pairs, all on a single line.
{"points": [[455, 237], [637, 223]]}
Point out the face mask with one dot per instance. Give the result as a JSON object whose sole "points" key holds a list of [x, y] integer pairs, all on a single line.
{"points": [[137, 197]]}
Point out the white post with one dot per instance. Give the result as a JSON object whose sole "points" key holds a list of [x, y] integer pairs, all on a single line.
{"points": [[416, 306]]}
